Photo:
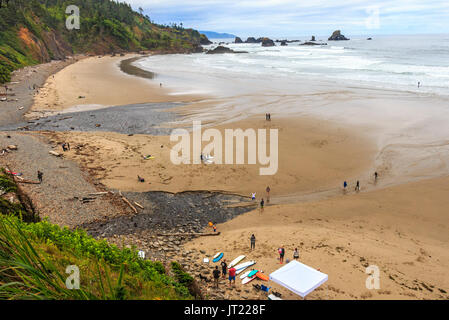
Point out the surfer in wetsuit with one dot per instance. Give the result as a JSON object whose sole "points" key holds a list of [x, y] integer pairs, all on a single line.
{"points": [[224, 268], [216, 276]]}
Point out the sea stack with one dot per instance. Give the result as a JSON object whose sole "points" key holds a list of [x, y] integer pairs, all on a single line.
{"points": [[313, 38], [251, 40], [337, 36], [238, 40], [221, 49], [267, 42]]}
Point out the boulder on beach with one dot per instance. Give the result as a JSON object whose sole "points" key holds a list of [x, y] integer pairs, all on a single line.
{"points": [[221, 49], [238, 40], [267, 42], [337, 36]]}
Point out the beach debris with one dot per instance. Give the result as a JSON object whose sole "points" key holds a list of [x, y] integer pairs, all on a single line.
{"points": [[98, 193], [81, 97], [140, 179], [21, 180], [147, 157], [139, 205], [203, 234], [20, 108], [127, 202], [54, 153], [97, 125]]}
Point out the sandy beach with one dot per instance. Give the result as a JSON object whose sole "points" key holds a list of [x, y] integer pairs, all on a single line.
{"points": [[97, 82], [400, 227]]}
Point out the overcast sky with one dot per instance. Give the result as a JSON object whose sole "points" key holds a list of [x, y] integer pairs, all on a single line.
{"points": [[302, 17]]}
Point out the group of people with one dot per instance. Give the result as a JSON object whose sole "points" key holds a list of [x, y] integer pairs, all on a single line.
{"points": [[357, 185], [224, 270], [262, 201], [232, 271]]}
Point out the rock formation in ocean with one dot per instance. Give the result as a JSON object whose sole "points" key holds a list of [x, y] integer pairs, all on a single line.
{"points": [[369, 39], [283, 43], [309, 43], [221, 49], [251, 40], [267, 42], [337, 36], [238, 40], [313, 38], [205, 41]]}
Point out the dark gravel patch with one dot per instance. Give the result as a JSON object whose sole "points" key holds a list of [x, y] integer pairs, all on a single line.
{"points": [[145, 118], [186, 212]]}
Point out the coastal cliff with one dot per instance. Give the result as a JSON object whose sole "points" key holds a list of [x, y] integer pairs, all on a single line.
{"points": [[34, 31]]}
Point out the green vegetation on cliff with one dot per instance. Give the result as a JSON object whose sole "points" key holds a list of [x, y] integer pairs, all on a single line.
{"points": [[34, 258], [34, 31]]}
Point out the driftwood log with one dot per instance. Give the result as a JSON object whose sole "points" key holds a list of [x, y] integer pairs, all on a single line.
{"points": [[127, 202], [190, 234]]}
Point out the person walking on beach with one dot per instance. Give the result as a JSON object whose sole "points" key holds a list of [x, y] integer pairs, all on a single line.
{"points": [[268, 194], [345, 184], [253, 196], [375, 176], [357, 186], [215, 228], [261, 204], [39, 176], [224, 268], [281, 251], [296, 254], [419, 83], [253, 242], [216, 273], [231, 275]]}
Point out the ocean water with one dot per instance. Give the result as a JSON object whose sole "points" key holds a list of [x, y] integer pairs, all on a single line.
{"points": [[368, 85], [390, 62]]}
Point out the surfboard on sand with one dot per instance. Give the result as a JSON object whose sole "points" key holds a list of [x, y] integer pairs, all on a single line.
{"points": [[240, 267], [218, 257], [236, 260], [262, 276], [248, 279], [245, 274], [252, 273]]}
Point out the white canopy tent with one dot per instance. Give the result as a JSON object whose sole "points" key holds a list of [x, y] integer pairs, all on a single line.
{"points": [[299, 278]]}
